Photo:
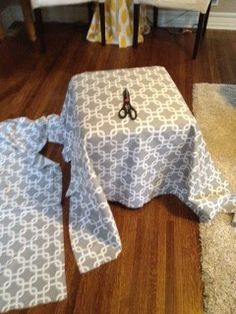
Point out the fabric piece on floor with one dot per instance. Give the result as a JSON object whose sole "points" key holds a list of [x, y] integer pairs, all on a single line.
{"points": [[32, 269]]}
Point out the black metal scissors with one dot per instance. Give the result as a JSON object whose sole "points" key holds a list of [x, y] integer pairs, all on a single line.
{"points": [[127, 109]]}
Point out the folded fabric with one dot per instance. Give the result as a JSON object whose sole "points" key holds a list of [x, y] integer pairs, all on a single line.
{"points": [[93, 233]]}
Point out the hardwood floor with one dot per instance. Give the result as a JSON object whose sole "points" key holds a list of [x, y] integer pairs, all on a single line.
{"points": [[158, 270]]}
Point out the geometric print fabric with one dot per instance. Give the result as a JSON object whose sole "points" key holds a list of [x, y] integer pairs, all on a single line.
{"points": [[31, 231], [161, 152]]}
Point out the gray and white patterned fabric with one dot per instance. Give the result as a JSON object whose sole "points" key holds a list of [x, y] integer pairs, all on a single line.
{"points": [[32, 269], [94, 236], [161, 152]]}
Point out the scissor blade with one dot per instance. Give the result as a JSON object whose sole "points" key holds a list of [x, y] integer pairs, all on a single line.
{"points": [[126, 94]]}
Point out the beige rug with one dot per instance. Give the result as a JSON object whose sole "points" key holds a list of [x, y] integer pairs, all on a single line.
{"points": [[214, 106]]}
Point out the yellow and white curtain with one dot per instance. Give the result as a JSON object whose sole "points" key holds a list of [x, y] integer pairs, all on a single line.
{"points": [[119, 23]]}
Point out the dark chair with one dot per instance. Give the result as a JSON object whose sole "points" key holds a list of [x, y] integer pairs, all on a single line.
{"points": [[38, 4], [201, 6]]}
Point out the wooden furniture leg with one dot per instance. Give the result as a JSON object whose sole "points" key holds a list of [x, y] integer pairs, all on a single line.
{"points": [[155, 16], [102, 23], [136, 25], [2, 31], [198, 35], [90, 11], [40, 29], [29, 23], [206, 19]]}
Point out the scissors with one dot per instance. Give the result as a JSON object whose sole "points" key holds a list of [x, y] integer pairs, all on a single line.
{"points": [[127, 109]]}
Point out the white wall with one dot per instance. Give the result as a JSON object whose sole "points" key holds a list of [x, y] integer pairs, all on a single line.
{"points": [[225, 6]]}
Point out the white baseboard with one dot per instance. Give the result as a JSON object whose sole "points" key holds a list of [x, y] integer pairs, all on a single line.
{"points": [[218, 20], [167, 18]]}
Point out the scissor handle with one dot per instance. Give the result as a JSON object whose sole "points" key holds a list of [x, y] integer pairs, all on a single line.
{"points": [[132, 113], [122, 113]]}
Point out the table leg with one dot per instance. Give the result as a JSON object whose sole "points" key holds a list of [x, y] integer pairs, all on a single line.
{"points": [[29, 23]]}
